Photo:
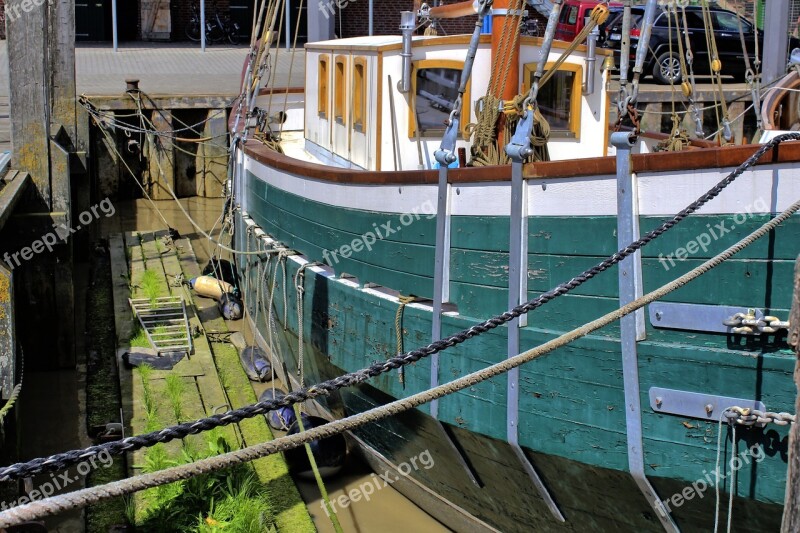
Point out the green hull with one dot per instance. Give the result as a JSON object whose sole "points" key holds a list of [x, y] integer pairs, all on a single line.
{"points": [[571, 402]]}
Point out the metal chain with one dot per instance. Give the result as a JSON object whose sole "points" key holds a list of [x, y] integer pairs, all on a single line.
{"points": [[750, 417], [91, 495], [749, 324], [63, 460]]}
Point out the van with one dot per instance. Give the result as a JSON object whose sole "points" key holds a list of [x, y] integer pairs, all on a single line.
{"points": [[573, 17]]}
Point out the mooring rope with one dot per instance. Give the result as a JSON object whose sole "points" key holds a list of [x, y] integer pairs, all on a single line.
{"points": [[63, 460], [88, 496]]}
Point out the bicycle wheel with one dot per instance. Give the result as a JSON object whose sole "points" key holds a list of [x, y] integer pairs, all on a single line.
{"points": [[215, 34], [233, 35], [193, 31]]}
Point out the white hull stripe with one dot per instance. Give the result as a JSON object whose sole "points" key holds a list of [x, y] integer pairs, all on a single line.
{"points": [[765, 189]]}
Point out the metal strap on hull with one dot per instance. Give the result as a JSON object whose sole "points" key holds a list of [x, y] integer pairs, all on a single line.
{"points": [[632, 326], [517, 287], [446, 155], [519, 149]]}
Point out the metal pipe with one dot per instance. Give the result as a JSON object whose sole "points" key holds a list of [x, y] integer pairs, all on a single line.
{"points": [[288, 25], [625, 45], [454, 11], [371, 16], [408, 21], [203, 25], [591, 59], [647, 30], [114, 24]]}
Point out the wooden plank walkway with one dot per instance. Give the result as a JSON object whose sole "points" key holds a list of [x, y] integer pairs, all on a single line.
{"points": [[212, 376]]}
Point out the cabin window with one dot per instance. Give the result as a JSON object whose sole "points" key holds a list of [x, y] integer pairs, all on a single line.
{"points": [[359, 94], [339, 89], [560, 99], [322, 91], [435, 90]]}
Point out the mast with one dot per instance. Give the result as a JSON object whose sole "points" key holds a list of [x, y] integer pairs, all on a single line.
{"points": [[503, 23]]}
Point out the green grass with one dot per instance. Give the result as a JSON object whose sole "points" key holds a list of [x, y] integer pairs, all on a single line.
{"points": [[139, 338], [150, 285], [175, 389], [272, 471], [227, 500]]}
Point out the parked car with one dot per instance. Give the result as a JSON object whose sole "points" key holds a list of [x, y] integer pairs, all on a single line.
{"points": [[573, 17], [664, 63]]}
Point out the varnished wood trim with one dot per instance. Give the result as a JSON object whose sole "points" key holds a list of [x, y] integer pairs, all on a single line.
{"points": [[323, 86], [266, 91], [419, 41], [339, 90], [360, 93], [729, 156]]}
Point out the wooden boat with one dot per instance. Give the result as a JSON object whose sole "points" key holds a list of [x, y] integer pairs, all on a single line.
{"points": [[617, 431]]}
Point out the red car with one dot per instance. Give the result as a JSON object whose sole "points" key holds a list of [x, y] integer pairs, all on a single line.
{"points": [[573, 18]]}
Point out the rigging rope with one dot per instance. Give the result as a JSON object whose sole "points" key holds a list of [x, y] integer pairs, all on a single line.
{"points": [[84, 497], [15, 392], [63, 460]]}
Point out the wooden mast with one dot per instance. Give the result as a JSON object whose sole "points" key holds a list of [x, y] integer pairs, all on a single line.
{"points": [[505, 25]]}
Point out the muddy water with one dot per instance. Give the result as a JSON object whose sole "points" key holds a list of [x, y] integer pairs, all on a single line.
{"points": [[387, 510]]}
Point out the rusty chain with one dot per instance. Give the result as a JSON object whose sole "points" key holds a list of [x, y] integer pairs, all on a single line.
{"points": [[750, 417]]}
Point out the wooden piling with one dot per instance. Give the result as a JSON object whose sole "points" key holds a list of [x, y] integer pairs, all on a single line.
{"points": [[791, 510]]}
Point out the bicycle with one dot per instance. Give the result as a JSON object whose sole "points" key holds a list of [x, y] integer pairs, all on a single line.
{"points": [[218, 27], [530, 28]]}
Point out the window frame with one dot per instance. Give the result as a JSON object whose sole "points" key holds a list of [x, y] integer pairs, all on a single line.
{"points": [[573, 132], [340, 90], [323, 90], [360, 98], [466, 108]]}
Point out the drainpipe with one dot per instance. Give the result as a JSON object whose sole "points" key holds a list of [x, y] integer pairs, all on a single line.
{"points": [[371, 16], [408, 21], [591, 59]]}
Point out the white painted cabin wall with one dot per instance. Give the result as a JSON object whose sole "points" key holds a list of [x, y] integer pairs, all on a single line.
{"points": [[363, 148]]}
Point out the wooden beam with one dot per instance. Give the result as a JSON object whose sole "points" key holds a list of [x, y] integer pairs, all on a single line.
{"points": [[791, 510]]}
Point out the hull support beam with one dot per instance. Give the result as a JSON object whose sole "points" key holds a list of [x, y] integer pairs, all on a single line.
{"points": [[632, 326], [517, 290]]}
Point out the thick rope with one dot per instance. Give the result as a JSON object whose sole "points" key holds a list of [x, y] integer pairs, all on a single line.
{"points": [[398, 331], [84, 497], [15, 392], [63, 460]]}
